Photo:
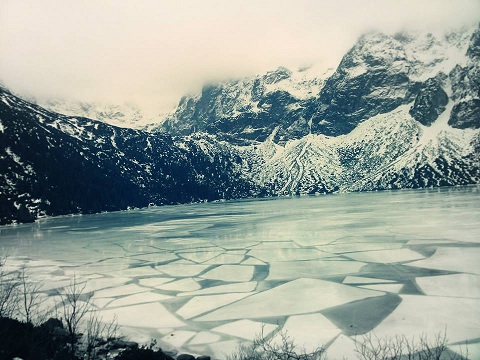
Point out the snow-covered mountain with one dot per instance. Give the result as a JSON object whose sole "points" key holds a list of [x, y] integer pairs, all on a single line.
{"points": [[250, 109], [379, 73], [52, 164], [399, 111], [126, 115]]}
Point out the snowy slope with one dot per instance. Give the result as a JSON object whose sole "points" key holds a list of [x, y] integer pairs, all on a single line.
{"points": [[126, 115], [388, 151]]}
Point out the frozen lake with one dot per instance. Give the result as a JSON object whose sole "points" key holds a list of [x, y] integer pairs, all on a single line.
{"points": [[204, 277]]}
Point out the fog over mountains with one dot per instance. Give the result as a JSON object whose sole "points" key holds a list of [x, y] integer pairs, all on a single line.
{"points": [[399, 111]]}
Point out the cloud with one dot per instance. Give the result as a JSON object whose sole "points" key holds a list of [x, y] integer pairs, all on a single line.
{"points": [[152, 52]]}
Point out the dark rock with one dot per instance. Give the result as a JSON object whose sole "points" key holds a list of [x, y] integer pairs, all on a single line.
{"points": [[203, 357], [430, 102], [466, 114], [185, 357], [121, 344], [474, 48]]}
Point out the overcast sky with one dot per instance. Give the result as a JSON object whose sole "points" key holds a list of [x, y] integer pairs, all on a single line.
{"points": [[154, 51]]}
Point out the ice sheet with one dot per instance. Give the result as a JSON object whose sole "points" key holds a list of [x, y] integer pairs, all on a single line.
{"points": [[386, 256], [272, 255], [295, 297], [181, 269], [158, 316], [178, 338], [202, 304], [237, 273], [309, 331], [429, 315], [205, 337], [229, 288], [246, 329], [120, 290], [364, 280], [393, 288], [455, 285], [138, 299], [447, 258], [187, 284], [343, 347], [297, 269]]}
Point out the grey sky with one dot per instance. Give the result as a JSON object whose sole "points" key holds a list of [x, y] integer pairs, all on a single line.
{"points": [[153, 52]]}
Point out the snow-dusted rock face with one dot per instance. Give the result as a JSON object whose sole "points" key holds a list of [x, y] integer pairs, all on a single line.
{"points": [[51, 164], [399, 111], [250, 109], [379, 73]]}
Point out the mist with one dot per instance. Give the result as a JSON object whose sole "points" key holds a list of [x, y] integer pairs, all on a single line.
{"points": [[153, 52]]}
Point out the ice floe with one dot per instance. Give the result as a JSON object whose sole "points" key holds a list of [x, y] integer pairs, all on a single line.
{"points": [[343, 347], [295, 297], [158, 316], [202, 304], [309, 332], [319, 268], [138, 299], [120, 290], [246, 329], [204, 337], [393, 288], [234, 273], [447, 258], [272, 255], [178, 338], [455, 285], [187, 284], [364, 280], [222, 289], [419, 315], [181, 269], [386, 256]]}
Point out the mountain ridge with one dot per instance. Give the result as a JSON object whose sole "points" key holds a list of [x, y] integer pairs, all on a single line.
{"points": [[398, 112]]}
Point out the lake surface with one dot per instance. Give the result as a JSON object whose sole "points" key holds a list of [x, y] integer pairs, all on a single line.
{"points": [[205, 277]]}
